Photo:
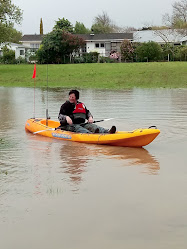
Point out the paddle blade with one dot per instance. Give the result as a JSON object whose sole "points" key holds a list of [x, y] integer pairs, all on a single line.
{"points": [[51, 129]]}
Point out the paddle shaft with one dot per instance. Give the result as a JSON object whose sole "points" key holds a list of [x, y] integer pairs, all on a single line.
{"points": [[58, 128]]}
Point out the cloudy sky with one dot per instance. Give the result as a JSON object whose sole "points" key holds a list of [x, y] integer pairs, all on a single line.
{"points": [[134, 13]]}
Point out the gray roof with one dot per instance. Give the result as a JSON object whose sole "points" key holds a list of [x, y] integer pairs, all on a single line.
{"points": [[110, 36], [86, 37], [159, 36], [32, 38]]}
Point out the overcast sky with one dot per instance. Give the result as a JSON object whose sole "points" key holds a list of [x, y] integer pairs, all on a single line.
{"points": [[134, 13]]}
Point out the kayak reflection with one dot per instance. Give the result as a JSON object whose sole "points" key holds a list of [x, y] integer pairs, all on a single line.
{"points": [[80, 155], [133, 157], [74, 159]]}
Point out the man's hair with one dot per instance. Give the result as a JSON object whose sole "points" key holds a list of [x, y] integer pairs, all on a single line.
{"points": [[75, 92]]}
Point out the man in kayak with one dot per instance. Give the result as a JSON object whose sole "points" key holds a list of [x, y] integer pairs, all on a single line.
{"points": [[73, 114]]}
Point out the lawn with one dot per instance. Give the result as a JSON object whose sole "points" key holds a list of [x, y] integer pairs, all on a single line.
{"points": [[106, 76]]}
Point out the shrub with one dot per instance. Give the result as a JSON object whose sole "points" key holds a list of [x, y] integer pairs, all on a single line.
{"points": [[91, 57], [20, 60], [78, 59], [8, 56], [184, 53], [149, 51], [127, 50], [103, 59]]}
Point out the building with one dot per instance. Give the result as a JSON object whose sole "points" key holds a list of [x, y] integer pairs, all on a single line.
{"points": [[32, 42], [18, 48], [101, 43], [160, 36], [104, 43]]}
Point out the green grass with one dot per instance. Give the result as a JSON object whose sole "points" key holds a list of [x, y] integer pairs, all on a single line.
{"points": [[106, 76]]}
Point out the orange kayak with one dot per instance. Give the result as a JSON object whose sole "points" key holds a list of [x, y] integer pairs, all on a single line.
{"points": [[135, 138]]}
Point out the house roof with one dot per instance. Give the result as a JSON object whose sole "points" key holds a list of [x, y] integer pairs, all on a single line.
{"points": [[32, 38], [87, 37], [110, 36], [11, 44], [159, 36]]}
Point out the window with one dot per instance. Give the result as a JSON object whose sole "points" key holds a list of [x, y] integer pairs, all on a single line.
{"points": [[35, 45], [84, 48], [21, 52], [99, 45]]}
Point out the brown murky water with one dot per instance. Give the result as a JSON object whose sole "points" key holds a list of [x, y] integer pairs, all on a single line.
{"points": [[58, 194]]}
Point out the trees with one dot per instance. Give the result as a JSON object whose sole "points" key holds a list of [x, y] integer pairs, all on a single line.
{"points": [[80, 29], [179, 13], [178, 19], [9, 13], [8, 56], [149, 51], [63, 24], [103, 24], [9, 34], [184, 53], [57, 45], [15, 36], [127, 50], [41, 27]]}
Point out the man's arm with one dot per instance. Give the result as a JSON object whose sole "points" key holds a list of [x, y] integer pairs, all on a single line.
{"points": [[89, 116], [65, 114]]}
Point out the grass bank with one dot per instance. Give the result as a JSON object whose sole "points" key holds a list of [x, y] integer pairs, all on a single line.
{"points": [[106, 76]]}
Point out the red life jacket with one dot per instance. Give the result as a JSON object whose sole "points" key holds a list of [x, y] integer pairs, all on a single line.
{"points": [[80, 108], [79, 113]]}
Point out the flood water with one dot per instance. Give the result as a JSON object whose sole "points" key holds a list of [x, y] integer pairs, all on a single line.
{"points": [[60, 194]]}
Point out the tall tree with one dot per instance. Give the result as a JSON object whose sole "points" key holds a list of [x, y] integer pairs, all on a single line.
{"points": [[103, 24], [81, 29], [41, 27], [180, 12], [15, 36], [178, 19], [57, 45], [9, 14], [63, 24]]}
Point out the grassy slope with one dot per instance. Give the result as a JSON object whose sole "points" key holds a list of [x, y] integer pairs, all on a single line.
{"points": [[112, 76]]}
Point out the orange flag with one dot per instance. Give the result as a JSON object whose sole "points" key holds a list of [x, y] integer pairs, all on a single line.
{"points": [[34, 72]]}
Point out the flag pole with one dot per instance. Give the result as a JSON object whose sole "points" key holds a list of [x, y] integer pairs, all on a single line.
{"points": [[34, 98], [47, 115], [34, 77]]}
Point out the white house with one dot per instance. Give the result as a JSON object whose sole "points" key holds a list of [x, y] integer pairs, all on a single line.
{"points": [[104, 43], [18, 48], [101, 43], [32, 42]]}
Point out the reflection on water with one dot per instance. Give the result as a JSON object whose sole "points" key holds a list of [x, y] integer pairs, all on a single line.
{"points": [[114, 186], [136, 156], [164, 108], [73, 159], [76, 157]]}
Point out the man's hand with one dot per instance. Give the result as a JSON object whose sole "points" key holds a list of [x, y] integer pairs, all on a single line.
{"points": [[69, 120], [90, 120]]}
